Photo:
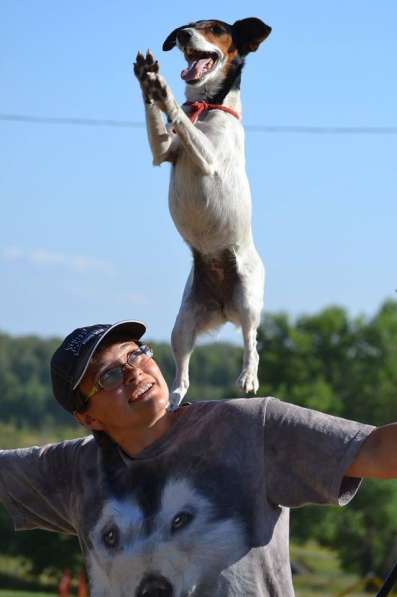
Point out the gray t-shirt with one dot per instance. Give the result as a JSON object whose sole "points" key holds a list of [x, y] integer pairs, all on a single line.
{"points": [[202, 512]]}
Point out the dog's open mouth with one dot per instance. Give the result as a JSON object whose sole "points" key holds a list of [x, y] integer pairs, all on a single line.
{"points": [[199, 64]]}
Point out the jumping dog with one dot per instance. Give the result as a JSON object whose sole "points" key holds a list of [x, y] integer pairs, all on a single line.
{"points": [[209, 195]]}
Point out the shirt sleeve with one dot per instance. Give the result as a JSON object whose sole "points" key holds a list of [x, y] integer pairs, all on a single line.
{"points": [[38, 486], [307, 454]]}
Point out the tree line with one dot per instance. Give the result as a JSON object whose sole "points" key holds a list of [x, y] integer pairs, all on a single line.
{"points": [[329, 361]]}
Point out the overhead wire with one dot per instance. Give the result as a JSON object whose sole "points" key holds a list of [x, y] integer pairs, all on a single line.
{"points": [[255, 128]]}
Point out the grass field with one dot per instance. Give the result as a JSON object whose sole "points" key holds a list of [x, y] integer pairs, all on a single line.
{"points": [[324, 577], [15, 580], [24, 594]]}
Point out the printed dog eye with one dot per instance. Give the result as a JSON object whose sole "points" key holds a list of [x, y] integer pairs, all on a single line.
{"points": [[111, 538], [181, 520]]}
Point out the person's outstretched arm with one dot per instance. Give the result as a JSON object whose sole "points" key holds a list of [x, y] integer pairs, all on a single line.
{"points": [[377, 457]]}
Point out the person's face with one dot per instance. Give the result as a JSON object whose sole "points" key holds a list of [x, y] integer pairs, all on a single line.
{"points": [[138, 402]]}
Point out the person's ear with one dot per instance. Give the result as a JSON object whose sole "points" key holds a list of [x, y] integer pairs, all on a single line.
{"points": [[88, 421]]}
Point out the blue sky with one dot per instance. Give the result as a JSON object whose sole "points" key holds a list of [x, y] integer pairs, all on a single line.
{"points": [[85, 234]]}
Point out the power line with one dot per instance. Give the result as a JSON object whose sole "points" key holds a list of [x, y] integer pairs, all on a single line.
{"points": [[73, 121], [256, 128], [325, 130]]}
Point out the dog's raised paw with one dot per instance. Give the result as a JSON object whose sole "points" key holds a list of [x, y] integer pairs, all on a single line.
{"points": [[156, 88], [144, 65], [248, 381], [159, 87]]}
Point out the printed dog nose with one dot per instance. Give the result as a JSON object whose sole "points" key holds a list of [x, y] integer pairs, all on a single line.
{"points": [[155, 586], [183, 36]]}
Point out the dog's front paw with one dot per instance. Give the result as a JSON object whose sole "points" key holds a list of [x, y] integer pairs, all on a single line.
{"points": [[144, 67], [158, 90], [154, 86], [248, 381]]}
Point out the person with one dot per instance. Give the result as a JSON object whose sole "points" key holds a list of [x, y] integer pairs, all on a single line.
{"points": [[191, 502]]}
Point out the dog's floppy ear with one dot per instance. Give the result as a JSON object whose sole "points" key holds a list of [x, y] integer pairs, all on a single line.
{"points": [[249, 33], [170, 42]]}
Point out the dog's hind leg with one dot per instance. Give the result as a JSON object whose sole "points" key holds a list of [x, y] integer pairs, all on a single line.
{"points": [[194, 317], [248, 378], [248, 302], [183, 338]]}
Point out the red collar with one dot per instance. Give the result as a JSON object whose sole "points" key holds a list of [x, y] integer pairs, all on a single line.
{"points": [[198, 107]]}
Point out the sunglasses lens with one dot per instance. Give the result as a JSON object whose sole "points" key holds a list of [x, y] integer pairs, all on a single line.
{"points": [[111, 378]]}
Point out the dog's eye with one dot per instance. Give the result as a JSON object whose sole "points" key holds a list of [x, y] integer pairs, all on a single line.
{"points": [[181, 520], [111, 538], [217, 29]]}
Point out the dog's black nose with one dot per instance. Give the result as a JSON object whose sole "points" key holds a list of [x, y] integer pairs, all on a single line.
{"points": [[154, 586], [183, 36]]}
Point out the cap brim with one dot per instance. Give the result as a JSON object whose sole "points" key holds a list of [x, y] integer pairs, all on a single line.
{"points": [[135, 328]]}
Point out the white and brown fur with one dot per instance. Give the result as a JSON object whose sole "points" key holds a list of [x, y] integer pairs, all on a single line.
{"points": [[209, 196]]}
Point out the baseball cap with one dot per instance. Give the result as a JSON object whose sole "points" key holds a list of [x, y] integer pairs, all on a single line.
{"points": [[71, 360]]}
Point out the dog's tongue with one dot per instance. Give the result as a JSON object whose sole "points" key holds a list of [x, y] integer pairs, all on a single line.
{"points": [[195, 69]]}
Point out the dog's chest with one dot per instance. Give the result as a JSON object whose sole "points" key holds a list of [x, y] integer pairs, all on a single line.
{"points": [[210, 209]]}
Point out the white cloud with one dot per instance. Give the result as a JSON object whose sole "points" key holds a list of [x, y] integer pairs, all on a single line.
{"points": [[45, 258]]}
